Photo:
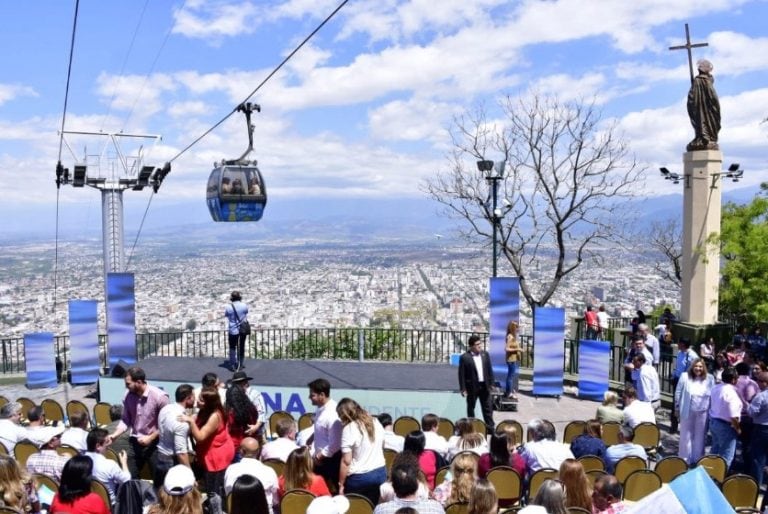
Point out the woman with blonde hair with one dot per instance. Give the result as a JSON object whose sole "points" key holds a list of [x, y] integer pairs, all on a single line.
{"points": [[298, 474], [513, 352], [578, 492], [178, 494], [459, 488], [483, 498], [465, 439], [609, 410], [363, 468], [691, 405], [17, 489]]}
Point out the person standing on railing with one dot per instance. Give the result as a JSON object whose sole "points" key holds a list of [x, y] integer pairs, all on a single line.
{"points": [[236, 313]]}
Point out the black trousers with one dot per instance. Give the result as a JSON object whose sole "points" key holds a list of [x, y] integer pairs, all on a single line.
{"points": [[139, 455], [482, 393], [329, 469], [237, 349]]}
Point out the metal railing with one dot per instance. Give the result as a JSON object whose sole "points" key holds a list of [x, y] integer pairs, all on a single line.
{"points": [[363, 344]]}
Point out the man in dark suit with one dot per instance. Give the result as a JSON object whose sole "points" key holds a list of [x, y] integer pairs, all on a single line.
{"points": [[476, 379]]}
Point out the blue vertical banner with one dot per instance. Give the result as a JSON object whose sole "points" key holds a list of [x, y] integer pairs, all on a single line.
{"points": [[505, 307], [84, 341], [40, 359], [548, 351], [121, 318], [594, 361]]}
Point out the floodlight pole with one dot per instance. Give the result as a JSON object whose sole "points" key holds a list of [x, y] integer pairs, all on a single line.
{"points": [[495, 173]]}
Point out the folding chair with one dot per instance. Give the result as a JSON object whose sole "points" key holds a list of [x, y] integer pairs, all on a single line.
{"points": [[275, 417], [508, 485], [648, 436], [445, 428], [359, 504], [715, 466], [101, 489], [670, 468], [305, 421], [640, 483], [404, 425], [75, 406], [101, 414], [627, 465], [22, 451], [741, 491], [479, 426], [538, 478], [573, 430], [53, 410], [591, 462], [611, 433], [296, 500]]}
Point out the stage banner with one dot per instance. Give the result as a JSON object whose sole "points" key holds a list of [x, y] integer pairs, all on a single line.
{"points": [[40, 358], [505, 307], [548, 351], [121, 318], [84, 341], [594, 361]]}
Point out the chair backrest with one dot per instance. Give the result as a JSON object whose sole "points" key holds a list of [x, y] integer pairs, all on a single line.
{"points": [[305, 421], [76, 406], [49, 482], [573, 430], [627, 465], [3, 400], [101, 489], [593, 474], [22, 451], [715, 466], [26, 404], [65, 449], [359, 504], [539, 477], [516, 424], [640, 483], [457, 508], [53, 410], [611, 432], [441, 474], [296, 501], [111, 454], [101, 414], [508, 484], [479, 426], [670, 468], [389, 458], [590, 462], [404, 425], [276, 464], [741, 491], [3, 449], [647, 435], [445, 428], [275, 417]]}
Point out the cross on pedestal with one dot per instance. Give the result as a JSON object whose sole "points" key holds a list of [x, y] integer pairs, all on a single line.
{"points": [[688, 46]]}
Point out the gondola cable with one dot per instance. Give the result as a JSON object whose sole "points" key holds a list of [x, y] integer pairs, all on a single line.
{"points": [[59, 167]]}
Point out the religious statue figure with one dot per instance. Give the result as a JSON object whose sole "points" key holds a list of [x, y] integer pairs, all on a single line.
{"points": [[704, 109]]}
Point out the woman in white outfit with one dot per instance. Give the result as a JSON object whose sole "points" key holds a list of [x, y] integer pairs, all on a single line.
{"points": [[692, 401]]}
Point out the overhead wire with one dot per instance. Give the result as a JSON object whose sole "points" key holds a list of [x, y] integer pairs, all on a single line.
{"points": [[234, 110], [61, 145]]}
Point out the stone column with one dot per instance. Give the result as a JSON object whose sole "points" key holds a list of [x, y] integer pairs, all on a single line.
{"points": [[701, 220]]}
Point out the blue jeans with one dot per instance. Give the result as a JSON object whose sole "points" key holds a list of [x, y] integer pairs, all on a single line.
{"points": [[758, 451], [723, 439], [367, 484], [512, 370]]}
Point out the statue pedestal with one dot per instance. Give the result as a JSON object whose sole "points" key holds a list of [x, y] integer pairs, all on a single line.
{"points": [[701, 220]]}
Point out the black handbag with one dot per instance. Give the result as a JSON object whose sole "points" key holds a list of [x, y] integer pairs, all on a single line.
{"points": [[244, 328]]}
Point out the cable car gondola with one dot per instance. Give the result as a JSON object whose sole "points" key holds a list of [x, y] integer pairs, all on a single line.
{"points": [[236, 189]]}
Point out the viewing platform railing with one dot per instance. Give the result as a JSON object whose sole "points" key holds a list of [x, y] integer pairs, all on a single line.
{"points": [[362, 344]]}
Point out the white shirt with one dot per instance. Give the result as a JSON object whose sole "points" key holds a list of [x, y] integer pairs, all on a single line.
{"points": [[327, 429], [75, 437], [545, 454], [10, 434], [648, 389], [367, 455], [653, 345], [393, 441], [436, 442], [602, 319], [174, 435], [108, 472], [478, 360], [258, 401], [638, 412], [280, 449], [250, 466]]}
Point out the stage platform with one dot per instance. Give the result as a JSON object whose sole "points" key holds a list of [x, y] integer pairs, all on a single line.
{"points": [[397, 388]]}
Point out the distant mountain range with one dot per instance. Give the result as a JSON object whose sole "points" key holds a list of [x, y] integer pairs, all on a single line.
{"points": [[313, 219]]}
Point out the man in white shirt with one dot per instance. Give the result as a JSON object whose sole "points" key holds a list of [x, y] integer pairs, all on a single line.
{"points": [[327, 436], [105, 470], [76, 435], [543, 451], [636, 411], [173, 441], [647, 383], [11, 431], [250, 465], [651, 342], [637, 346], [392, 440], [285, 443], [435, 442]]}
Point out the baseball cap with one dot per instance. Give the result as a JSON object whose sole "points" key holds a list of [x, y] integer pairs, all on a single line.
{"points": [[328, 505], [179, 480]]}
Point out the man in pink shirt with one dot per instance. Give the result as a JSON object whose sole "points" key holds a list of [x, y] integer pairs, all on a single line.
{"points": [[724, 416], [747, 389], [141, 410]]}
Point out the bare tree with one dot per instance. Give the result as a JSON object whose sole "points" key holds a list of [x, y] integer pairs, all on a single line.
{"points": [[568, 175], [667, 239]]}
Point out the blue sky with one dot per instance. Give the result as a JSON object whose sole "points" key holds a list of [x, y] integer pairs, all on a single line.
{"points": [[362, 111]]}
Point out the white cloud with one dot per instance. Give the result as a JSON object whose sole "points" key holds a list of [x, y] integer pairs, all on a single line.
{"points": [[10, 92], [188, 109], [412, 120], [215, 19]]}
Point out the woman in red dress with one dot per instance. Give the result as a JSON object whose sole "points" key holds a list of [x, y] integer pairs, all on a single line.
{"points": [[215, 449]]}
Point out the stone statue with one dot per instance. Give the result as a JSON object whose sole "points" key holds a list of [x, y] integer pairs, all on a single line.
{"points": [[704, 109]]}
